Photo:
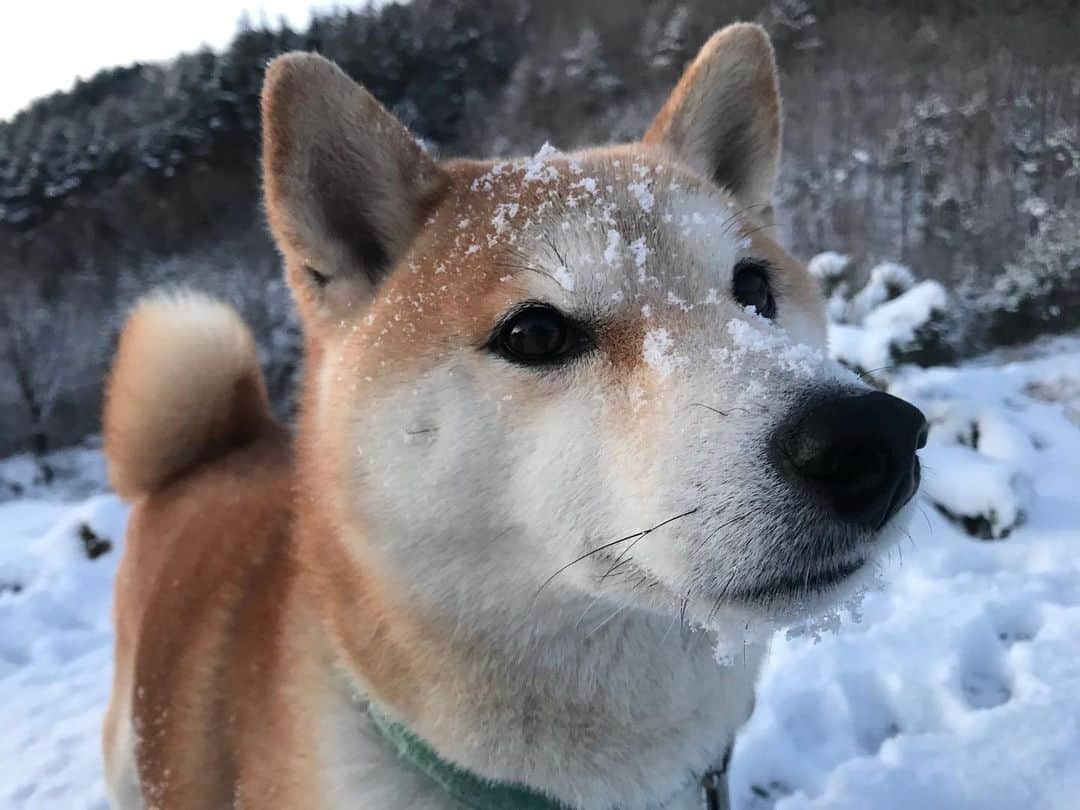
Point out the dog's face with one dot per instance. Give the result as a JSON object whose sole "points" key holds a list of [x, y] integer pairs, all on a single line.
{"points": [[577, 377]]}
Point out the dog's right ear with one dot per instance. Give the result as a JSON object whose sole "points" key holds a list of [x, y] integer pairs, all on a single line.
{"points": [[723, 117], [347, 187]]}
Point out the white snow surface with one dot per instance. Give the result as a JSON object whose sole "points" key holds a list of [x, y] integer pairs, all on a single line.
{"points": [[55, 645], [955, 685]]}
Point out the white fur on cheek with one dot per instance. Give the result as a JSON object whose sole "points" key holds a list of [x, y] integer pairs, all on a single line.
{"points": [[483, 478]]}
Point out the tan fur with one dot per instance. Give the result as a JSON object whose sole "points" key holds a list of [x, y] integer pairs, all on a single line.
{"points": [[185, 386], [222, 533], [256, 610]]}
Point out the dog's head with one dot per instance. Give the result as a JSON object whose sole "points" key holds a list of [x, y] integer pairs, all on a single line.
{"points": [[576, 376]]}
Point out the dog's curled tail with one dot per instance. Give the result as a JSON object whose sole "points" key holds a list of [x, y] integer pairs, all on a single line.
{"points": [[185, 387]]}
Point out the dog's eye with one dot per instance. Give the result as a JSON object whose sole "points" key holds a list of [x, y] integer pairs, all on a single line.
{"points": [[538, 334], [751, 287]]}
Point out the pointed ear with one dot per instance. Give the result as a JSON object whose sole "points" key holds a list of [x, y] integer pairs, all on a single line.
{"points": [[723, 117], [347, 188]]}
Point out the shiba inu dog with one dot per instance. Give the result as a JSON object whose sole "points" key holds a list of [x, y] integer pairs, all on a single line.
{"points": [[567, 431]]}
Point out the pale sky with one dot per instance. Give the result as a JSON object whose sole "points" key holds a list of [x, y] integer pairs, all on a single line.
{"points": [[47, 44]]}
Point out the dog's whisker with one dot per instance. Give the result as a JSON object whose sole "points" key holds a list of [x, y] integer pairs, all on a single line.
{"points": [[710, 408], [733, 218], [752, 231], [614, 613], [718, 603], [620, 561], [550, 240], [667, 632], [585, 556], [926, 517], [592, 601], [613, 543], [530, 269], [721, 527], [867, 376], [684, 628]]}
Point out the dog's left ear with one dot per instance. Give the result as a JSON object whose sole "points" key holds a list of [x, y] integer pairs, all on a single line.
{"points": [[723, 117]]}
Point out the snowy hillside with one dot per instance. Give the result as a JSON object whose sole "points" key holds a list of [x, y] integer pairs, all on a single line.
{"points": [[956, 686]]}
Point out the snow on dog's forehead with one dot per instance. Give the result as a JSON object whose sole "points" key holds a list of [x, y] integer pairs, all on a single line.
{"points": [[617, 232], [641, 248], [602, 227]]}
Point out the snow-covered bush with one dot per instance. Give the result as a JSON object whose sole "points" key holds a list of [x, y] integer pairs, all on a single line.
{"points": [[891, 318], [833, 272], [887, 282], [989, 441], [1039, 292], [886, 316], [890, 333], [987, 497], [831, 269]]}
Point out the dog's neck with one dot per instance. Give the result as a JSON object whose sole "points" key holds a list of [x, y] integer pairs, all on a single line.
{"points": [[600, 711]]}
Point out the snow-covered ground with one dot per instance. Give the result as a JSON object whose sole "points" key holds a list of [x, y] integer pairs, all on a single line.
{"points": [[55, 643], [956, 685]]}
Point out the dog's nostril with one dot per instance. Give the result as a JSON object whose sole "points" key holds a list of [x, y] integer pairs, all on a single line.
{"points": [[858, 453], [858, 469], [849, 466], [924, 432], [818, 456]]}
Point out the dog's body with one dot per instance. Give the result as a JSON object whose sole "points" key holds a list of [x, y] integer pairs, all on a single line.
{"points": [[531, 481]]}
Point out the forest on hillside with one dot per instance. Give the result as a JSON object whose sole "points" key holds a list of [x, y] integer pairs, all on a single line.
{"points": [[943, 136]]}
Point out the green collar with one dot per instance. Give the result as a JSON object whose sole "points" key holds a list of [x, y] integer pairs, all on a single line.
{"points": [[466, 788]]}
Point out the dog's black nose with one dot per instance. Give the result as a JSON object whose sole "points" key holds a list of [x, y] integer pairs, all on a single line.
{"points": [[858, 453]]}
